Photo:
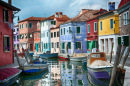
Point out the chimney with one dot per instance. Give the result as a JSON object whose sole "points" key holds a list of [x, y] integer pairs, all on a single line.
{"points": [[56, 14], [60, 14], [111, 6], [101, 10], [10, 2]]}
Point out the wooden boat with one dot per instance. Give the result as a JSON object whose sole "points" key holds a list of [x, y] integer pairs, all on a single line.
{"points": [[31, 68], [98, 66], [8, 76], [78, 57], [66, 57], [49, 55]]}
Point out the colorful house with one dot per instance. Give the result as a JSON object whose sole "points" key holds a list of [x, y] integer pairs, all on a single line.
{"points": [[54, 32], [124, 18], [92, 31], [45, 33], [6, 32], [26, 30], [16, 37], [108, 30], [73, 33]]}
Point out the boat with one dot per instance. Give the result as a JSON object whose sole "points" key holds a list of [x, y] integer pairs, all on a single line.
{"points": [[31, 53], [78, 57], [66, 57], [98, 66], [8, 76], [31, 68]]}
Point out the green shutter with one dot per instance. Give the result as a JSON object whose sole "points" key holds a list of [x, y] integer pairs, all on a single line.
{"points": [[78, 30], [17, 37], [80, 45], [54, 22], [87, 44], [14, 37], [26, 25], [88, 28], [100, 25], [94, 44], [95, 26], [69, 45], [69, 30], [64, 31], [61, 31], [20, 26], [111, 23]]}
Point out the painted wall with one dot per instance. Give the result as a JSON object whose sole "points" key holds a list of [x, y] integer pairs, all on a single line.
{"points": [[5, 30], [46, 39], [74, 37], [16, 41], [106, 30]]}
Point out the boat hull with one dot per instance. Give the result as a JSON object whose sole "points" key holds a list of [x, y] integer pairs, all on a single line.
{"points": [[63, 57], [49, 55], [11, 79], [77, 58], [100, 73]]}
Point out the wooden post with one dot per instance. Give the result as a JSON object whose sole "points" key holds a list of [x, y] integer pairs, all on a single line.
{"points": [[16, 54], [124, 47], [25, 55], [113, 75], [111, 52], [126, 56], [31, 61]]}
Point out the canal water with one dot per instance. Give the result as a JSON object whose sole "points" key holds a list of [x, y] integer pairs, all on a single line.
{"points": [[61, 73]]}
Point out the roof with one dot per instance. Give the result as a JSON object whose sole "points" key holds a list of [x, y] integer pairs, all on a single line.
{"points": [[83, 17], [51, 17], [52, 28], [38, 30], [123, 2], [64, 18], [9, 6], [34, 19]]}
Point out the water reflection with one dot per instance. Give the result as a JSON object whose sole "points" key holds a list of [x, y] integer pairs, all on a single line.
{"points": [[59, 73]]}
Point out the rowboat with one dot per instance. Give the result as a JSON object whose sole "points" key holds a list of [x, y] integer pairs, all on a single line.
{"points": [[8, 76], [78, 57], [31, 68], [66, 57], [98, 66]]}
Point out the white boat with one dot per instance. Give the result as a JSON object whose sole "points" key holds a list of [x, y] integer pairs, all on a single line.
{"points": [[78, 57]]}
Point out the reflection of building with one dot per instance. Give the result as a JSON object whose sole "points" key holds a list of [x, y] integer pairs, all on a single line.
{"points": [[6, 32], [16, 37]]}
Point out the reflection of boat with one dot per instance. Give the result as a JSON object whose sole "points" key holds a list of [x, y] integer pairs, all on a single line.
{"points": [[78, 57], [98, 66], [76, 63], [8, 76], [31, 68]]}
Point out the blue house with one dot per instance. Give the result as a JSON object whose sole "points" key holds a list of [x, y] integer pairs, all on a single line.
{"points": [[73, 33]]}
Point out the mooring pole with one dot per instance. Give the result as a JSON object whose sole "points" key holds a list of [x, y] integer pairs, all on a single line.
{"points": [[123, 50], [111, 52], [113, 75]]}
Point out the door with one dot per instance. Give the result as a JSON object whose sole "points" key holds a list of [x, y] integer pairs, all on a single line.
{"points": [[36, 47], [31, 47]]}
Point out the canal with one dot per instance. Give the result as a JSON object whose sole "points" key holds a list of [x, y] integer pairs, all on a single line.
{"points": [[61, 73]]}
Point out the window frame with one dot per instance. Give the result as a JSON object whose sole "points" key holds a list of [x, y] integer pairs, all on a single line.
{"points": [[111, 24], [8, 45], [94, 26], [101, 26], [31, 25], [77, 28], [5, 14], [80, 46]]}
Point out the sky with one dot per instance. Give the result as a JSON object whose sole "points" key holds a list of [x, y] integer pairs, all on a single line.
{"points": [[46, 8]]}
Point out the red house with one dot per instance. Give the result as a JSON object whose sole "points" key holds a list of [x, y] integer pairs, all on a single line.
{"points": [[92, 31], [6, 32]]}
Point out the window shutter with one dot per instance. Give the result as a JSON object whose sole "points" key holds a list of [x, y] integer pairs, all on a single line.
{"points": [[26, 25], [80, 45], [78, 29], [54, 22], [64, 31], [93, 44], [95, 26], [87, 44], [76, 45], [61, 31]]}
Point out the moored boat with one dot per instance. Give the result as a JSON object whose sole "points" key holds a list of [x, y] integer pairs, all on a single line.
{"points": [[98, 66], [64, 57], [8, 76], [77, 57]]}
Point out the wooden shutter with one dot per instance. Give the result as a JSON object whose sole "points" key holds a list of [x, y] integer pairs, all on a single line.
{"points": [[54, 22], [87, 44], [94, 44], [78, 29]]}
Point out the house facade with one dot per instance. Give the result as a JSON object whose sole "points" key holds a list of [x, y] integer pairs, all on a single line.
{"points": [[54, 32], [73, 33], [6, 32], [16, 37], [45, 33], [26, 30]]}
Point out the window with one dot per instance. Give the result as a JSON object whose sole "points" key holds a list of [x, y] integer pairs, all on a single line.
{"points": [[69, 30], [119, 20], [51, 35], [78, 45], [95, 26], [69, 45], [78, 30], [22, 26], [14, 37], [100, 25], [58, 34], [126, 18], [30, 35], [21, 36], [17, 29], [88, 28], [47, 34], [88, 44], [44, 46], [52, 45], [17, 46], [26, 36], [54, 22], [37, 36], [13, 30], [6, 43], [14, 45], [34, 36], [64, 31], [57, 44], [63, 45], [26, 25], [111, 23], [54, 34], [30, 25], [17, 37], [61, 31], [5, 15]]}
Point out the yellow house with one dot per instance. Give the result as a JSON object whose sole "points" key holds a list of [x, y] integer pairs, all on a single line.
{"points": [[108, 31]]}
